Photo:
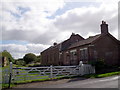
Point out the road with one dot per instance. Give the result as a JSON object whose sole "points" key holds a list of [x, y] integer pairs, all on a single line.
{"points": [[108, 82]]}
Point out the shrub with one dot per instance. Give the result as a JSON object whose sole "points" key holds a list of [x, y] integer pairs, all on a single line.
{"points": [[99, 65]]}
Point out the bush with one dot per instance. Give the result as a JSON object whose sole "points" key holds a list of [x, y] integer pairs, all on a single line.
{"points": [[99, 65]]}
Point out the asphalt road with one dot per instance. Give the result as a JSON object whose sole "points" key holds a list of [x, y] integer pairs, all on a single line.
{"points": [[108, 82]]}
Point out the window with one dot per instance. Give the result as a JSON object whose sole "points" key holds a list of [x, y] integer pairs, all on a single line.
{"points": [[73, 56], [108, 53], [60, 54], [84, 54], [95, 54], [74, 50]]}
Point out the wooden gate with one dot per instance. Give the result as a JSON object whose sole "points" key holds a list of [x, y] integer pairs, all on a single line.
{"points": [[34, 73]]}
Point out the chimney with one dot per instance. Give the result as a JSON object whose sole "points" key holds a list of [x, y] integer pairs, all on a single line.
{"points": [[104, 28], [73, 33]]}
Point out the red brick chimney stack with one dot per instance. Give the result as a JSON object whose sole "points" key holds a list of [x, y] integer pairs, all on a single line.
{"points": [[104, 28]]}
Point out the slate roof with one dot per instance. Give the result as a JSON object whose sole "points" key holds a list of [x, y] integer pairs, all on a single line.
{"points": [[86, 41]]}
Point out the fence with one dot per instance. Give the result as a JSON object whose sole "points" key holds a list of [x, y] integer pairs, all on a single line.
{"points": [[5, 72], [20, 74], [0, 76]]}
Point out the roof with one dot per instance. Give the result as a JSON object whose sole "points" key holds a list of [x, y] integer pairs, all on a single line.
{"points": [[66, 44], [86, 41], [51, 47]]}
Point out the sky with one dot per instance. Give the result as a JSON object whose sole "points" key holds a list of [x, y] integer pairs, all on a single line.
{"points": [[31, 26]]}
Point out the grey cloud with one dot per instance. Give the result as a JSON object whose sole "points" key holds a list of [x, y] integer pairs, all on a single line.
{"points": [[77, 22], [30, 36], [87, 22]]}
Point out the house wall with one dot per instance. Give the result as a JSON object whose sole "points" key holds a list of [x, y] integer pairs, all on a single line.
{"points": [[50, 56], [106, 49], [77, 57]]}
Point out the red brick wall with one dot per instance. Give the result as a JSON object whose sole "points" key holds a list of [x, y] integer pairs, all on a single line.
{"points": [[107, 49], [50, 56]]}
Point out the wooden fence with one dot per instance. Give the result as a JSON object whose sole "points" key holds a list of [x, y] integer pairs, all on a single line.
{"points": [[20, 74], [5, 73]]}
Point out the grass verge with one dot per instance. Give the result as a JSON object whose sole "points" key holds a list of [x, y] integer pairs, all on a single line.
{"points": [[101, 75], [4, 86], [38, 80]]}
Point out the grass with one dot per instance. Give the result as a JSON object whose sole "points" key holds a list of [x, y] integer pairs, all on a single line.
{"points": [[6, 67], [37, 80], [6, 85], [101, 75], [14, 65]]}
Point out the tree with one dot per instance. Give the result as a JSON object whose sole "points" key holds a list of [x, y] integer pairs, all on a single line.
{"points": [[38, 60], [20, 62], [6, 54], [30, 57]]}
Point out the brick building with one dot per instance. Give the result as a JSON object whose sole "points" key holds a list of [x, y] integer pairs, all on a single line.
{"points": [[69, 52]]}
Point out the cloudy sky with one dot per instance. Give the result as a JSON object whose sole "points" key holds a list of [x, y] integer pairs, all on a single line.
{"points": [[30, 26]]}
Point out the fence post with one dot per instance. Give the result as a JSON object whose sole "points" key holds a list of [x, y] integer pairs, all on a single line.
{"points": [[10, 74], [51, 71], [81, 67]]}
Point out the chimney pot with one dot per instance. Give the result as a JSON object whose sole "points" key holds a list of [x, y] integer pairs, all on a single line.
{"points": [[103, 22], [104, 27], [54, 43]]}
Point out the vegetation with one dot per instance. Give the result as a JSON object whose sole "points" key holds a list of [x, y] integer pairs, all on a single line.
{"points": [[6, 85], [103, 70], [30, 57], [29, 60], [8, 56], [101, 67], [101, 75], [36, 80], [20, 62], [38, 59], [98, 64], [35, 63]]}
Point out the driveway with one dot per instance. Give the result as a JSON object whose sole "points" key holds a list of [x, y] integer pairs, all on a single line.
{"points": [[108, 82]]}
